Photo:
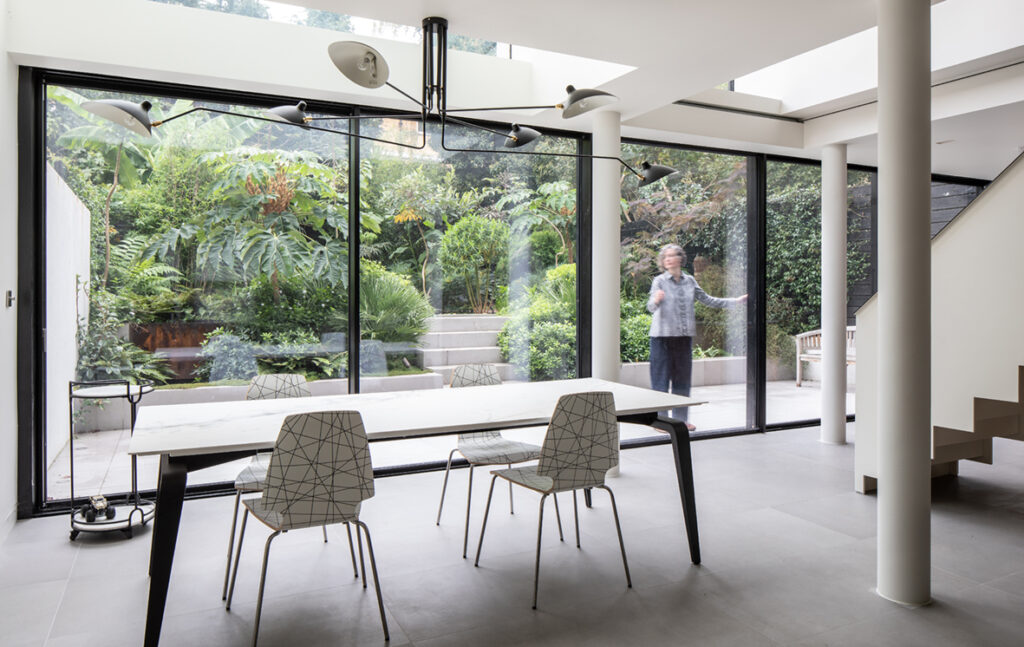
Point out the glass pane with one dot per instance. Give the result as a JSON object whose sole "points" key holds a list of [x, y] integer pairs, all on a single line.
{"points": [[703, 210], [467, 258], [196, 258]]}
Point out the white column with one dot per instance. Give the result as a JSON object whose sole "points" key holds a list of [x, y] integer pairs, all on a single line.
{"points": [[904, 301], [605, 328], [833, 294]]}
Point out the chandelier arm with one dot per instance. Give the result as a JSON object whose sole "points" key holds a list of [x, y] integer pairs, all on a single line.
{"points": [[405, 115], [405, 94], [541, 153], [557, 105], [472, 125]]}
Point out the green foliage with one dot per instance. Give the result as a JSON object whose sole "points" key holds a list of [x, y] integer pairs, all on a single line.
{"points": [[390, 308], [299, 352], [474, 249], [300, 304], [551, 205], [545, 350], [103, 354], [634, 337], [537, 252], [228, 357]]}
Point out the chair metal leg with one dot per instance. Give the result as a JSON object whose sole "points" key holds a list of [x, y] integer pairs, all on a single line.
{"points": [[325, 533], [483, 527], [469, 499], [352, 550], [511, 504], [558, 516], [231, 545], [362, 563], [540, 527], [263, 581], [444, 486], [576, 517], [376, 579], [618, 529], [238, 554]]}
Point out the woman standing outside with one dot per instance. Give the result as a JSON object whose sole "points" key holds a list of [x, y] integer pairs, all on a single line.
{"points": [[674, 324]]}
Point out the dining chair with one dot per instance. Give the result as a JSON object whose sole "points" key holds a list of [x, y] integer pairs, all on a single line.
{"points": [[250, 480], [581, 445], [486, 447], [319, 474]]}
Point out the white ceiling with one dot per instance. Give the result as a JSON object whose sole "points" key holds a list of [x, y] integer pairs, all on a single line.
{"points": [[681, 48]]}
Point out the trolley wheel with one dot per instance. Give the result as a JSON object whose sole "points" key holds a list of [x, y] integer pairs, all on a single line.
{"points": [[111, 511], [74, 535], [127, 532], [90, 515]]}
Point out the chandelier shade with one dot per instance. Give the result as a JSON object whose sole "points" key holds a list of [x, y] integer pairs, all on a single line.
{"points": [[360, 63], [584, 100], [133, 116]]}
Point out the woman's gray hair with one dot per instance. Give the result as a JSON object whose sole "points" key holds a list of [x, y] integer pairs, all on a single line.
{"points": [[671, 247]]}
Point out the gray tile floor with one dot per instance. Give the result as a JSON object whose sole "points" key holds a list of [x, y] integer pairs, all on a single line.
{"points": [[788, 548]]}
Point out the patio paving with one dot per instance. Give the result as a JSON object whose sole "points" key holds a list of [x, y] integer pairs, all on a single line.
{"points": [[102, 465]]}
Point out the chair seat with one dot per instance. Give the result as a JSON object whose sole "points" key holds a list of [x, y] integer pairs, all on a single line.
{"points": [[253, 475], [527, 477], [322, 514], [493, 449]]}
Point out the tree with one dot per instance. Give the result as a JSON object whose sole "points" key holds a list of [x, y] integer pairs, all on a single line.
{"points": [[473, 249]]}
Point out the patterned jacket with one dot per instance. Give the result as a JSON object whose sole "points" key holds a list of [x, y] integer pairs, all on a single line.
{"points": [[674, 316]]}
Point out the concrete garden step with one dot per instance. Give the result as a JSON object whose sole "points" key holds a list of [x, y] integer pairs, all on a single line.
{"points": [[456, 323], [473, 355], [459, 339]]}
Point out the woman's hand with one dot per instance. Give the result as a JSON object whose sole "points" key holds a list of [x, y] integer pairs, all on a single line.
{"points": [[741, 299], [658, 296]]}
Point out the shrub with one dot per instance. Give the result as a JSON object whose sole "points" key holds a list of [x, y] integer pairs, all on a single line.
{"points": [[104, 355], [474, 249], [228, 357], [543, 351], [390, 308], [301, 303], [634, 338]]}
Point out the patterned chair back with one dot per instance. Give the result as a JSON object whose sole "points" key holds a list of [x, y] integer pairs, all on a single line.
{"points": [[475, 375], [582, 442], [277, 385], [320, 470]]}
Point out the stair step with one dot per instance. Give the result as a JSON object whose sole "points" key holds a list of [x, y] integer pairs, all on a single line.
{"points": [[457, 323], [474, 355], [987, 408], [459, 339]]}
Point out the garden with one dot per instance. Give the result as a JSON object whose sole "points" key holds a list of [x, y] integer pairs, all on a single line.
{"points": [[219, 247]]}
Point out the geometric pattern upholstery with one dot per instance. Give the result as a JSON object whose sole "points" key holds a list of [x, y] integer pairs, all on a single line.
{"points": [[582, 443], [488, 447], [277, 385], [320, 472]]}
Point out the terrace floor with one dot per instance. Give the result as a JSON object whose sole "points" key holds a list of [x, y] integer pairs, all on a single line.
{"points": [[101, 465]]}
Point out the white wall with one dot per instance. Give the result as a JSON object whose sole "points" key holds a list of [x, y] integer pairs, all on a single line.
{"points": [[977, 307], [67, 267], [8, 280]]}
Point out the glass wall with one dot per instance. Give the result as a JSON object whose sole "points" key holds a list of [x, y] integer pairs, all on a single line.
{"points": [[703, 209], [196, 258], [466, 257], [793, 280]]}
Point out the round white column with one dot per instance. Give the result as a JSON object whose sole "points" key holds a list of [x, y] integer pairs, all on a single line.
{"points": [[904, 301], [833, 294], [606, 233]]}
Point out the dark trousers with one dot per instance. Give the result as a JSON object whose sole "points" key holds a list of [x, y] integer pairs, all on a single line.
{"points": [[671, 367]]}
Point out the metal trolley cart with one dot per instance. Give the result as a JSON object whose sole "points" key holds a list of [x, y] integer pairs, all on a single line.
{"points": [[98, 514]]}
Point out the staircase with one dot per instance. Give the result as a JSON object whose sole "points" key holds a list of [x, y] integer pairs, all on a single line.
{"points": [[463, 339], [977, 355]]}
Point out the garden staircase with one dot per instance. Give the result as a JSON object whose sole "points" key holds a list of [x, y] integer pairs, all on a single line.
{"points": [[463, 339]]}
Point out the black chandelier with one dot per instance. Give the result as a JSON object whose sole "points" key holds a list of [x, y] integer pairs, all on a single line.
{"points": [[366, 67]]}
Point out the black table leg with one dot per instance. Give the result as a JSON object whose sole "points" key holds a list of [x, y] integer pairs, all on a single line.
{"points": [[169, 497], [684, 471], [587, 498]]}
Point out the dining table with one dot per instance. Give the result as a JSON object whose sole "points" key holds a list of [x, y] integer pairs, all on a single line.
{"points": [[190, 437]]}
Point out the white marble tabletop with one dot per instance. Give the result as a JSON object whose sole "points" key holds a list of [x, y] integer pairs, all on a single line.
{"points": [[216, 427]]}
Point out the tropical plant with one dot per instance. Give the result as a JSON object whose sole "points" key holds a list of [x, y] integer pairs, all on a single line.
{"points": [[474, 249], [552, 205], [228, 357], [390, 308], [104, 355]]}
